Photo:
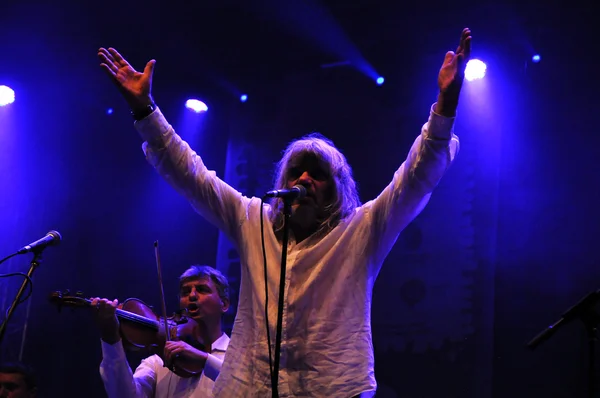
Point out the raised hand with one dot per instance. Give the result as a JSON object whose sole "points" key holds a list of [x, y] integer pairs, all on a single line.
{"points": [[136, 87], [452, 74]]}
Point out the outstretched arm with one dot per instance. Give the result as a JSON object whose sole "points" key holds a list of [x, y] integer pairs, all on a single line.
{"points": [[430, 156], [172, 157]]}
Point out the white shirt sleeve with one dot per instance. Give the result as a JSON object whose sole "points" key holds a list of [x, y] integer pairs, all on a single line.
{"points": [[212, 368], [404, 198], [184, 170], [119, 381]]}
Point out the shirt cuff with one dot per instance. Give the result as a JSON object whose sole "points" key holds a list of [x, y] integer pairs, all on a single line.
{"points": [[212, 368], [440, 127], [154, 128], [113, 352]]}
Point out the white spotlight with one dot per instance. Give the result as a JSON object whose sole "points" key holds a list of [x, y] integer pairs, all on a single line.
{"points": [[196, 105], [475, 70], [7, 95]]}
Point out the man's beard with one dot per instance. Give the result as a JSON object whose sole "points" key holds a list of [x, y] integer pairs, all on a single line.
{"points": [[307, 217]]}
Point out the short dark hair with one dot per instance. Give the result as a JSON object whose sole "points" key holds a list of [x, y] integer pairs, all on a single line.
{"points": [[22, 369], [205, 271]]}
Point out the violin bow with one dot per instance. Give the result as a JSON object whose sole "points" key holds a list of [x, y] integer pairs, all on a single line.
{"points": [[162, 291]]}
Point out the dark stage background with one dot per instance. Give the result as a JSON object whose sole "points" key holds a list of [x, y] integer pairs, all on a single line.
{"points": [[506, 245]]}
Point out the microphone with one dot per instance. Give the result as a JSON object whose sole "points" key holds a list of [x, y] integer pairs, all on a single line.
{"points": [[296, 192], [51, 238]]}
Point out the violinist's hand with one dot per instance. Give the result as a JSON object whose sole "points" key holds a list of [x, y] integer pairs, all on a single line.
{"points": [[174, 349], [106, 318]]}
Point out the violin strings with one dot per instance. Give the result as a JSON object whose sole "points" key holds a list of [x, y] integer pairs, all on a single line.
{"points": [[138, 319], [130, 316]]}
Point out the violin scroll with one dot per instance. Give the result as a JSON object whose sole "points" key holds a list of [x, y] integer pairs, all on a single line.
{"points": [[65, 298]]}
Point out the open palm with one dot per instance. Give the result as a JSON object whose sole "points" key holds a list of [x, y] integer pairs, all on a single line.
{"points": [[452, 72], [136, 87]]}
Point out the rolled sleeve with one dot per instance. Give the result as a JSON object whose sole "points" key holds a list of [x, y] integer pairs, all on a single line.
{"points": [[440, 127], [154, 129], [212, 368]]}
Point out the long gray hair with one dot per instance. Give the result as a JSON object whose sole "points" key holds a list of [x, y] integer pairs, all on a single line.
{"points": [[345, 191]]}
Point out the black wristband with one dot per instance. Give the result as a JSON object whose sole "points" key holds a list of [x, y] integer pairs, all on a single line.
{"points": [[145, 112]]}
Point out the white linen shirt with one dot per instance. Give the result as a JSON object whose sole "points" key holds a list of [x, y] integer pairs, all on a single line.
{"points": [[326, 347], [152, 380]]}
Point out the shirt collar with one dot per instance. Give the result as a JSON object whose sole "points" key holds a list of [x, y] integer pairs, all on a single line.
{"points": [[221, 343]]}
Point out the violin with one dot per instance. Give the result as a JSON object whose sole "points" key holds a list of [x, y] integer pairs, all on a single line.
{"points": [[142, 330]]}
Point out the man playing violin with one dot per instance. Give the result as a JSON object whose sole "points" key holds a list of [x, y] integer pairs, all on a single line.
{"points": [[204, 297]]}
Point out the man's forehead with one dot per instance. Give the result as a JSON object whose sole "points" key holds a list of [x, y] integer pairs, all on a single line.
{"points": [[307, 159], [16, 378], [197, 281]]}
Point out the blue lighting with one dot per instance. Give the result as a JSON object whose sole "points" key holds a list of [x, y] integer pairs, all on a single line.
{"points": [[380, 80], [7, 95], [536, 58], [243, 98], [196, 105], [109, 111]]}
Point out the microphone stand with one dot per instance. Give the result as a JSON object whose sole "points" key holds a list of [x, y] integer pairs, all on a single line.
{"points": [[287, 212], [585, 311], [35, 262]]}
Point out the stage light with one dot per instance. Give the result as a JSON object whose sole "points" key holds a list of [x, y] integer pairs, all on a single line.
{"points": [[196, 105], [109, 111], [380, 80], [7, 95], [536, 58], [243, 98], [475, 70]]}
